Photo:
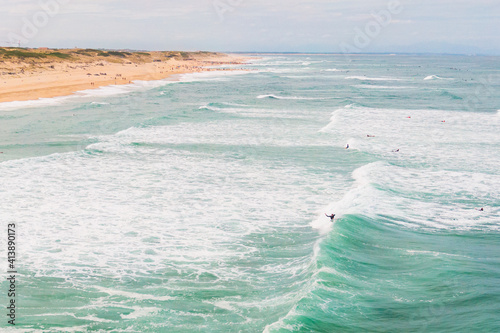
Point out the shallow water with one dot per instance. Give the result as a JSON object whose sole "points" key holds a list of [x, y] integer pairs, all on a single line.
{"points": [[198, 205]]}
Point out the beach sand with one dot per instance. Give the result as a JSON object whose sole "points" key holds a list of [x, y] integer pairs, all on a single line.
{"points": [[22, 79]]}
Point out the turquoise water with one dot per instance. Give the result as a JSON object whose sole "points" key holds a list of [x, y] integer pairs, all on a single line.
{"points": [[198, 205]]}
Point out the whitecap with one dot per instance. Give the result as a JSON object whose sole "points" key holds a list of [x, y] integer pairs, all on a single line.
{"points": [[272, 96], [366, 78], [436, 77]]}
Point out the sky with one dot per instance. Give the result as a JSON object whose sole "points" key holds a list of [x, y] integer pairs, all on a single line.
{"points": [[350, 26]]}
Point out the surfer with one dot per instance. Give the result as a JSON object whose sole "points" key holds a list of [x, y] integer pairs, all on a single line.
{"points": [[396, 151], [331, 216], [347, 147]]}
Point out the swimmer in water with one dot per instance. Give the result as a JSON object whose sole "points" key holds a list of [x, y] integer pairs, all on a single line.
{"points": [[331, 217]]}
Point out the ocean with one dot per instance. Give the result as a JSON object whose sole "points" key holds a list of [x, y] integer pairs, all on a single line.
{"points": [[198, 204]]}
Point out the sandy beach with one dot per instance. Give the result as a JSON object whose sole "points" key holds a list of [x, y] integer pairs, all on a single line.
{"points": [[61, 73]]}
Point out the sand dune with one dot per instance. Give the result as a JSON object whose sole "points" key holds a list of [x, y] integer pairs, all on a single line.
{"points": [[31, 74]]}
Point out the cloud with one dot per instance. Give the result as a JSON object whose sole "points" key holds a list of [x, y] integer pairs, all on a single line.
{"points": [[296, 25], [402, 21], [21, 7]]}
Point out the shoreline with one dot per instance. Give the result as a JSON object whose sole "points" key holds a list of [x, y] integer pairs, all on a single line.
{"points": [[30, 81]]}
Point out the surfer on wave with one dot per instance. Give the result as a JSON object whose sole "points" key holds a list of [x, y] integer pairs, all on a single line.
{"points": [[330, 216]]}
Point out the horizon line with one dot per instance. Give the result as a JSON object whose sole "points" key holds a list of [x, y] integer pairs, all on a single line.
{"points": [[279, 52]]}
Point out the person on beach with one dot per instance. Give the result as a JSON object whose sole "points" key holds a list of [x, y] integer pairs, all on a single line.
{"points": [[331, 217]]}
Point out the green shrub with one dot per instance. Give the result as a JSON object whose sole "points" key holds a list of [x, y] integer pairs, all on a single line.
{"points": [[60, 55], [119, 54], [23, 54]]}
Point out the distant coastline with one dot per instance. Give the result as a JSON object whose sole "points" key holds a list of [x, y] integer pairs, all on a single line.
{"points": [[366, 53], [30, 74]]}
